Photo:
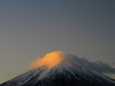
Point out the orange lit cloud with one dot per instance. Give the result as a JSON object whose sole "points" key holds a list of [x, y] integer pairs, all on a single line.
{"points": [[54, 58], [50, 60]]}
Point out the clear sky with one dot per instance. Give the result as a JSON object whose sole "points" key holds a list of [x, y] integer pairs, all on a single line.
{"points": [[32, 28]]}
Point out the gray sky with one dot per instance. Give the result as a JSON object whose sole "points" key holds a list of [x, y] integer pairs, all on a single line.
{"points": [[32, 28]]}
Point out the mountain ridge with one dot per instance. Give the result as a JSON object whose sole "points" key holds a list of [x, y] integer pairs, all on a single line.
{"points": [[60, 69], [61, 75]]}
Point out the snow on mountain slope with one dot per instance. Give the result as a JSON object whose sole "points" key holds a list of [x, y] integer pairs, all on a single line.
{"points": [[61, 75], [56, 70]]}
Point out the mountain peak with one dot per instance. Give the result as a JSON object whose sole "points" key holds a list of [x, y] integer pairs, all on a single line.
{"points": [[60, 69], [61, 75]]}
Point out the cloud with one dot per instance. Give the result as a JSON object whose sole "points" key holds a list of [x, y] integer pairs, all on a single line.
{"points": [[114, 63], [99, 66], [54, 58], [50, 60]]}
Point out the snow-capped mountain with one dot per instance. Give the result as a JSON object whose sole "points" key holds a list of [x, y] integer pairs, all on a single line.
{"points": [[60, 69], [61, 75]]}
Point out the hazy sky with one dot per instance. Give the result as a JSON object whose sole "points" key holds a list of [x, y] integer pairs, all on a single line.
{"points": [[32, 28]]}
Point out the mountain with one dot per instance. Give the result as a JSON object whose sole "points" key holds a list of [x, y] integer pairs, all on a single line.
{"points": [[60, 69], [61, 75]]}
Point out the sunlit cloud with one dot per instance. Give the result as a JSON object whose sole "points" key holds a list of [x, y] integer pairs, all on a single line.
{"points": [[49, 60], [58, 57]]}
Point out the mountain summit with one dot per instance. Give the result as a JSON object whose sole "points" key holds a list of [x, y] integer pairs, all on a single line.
{"points": [[59, 71]]}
